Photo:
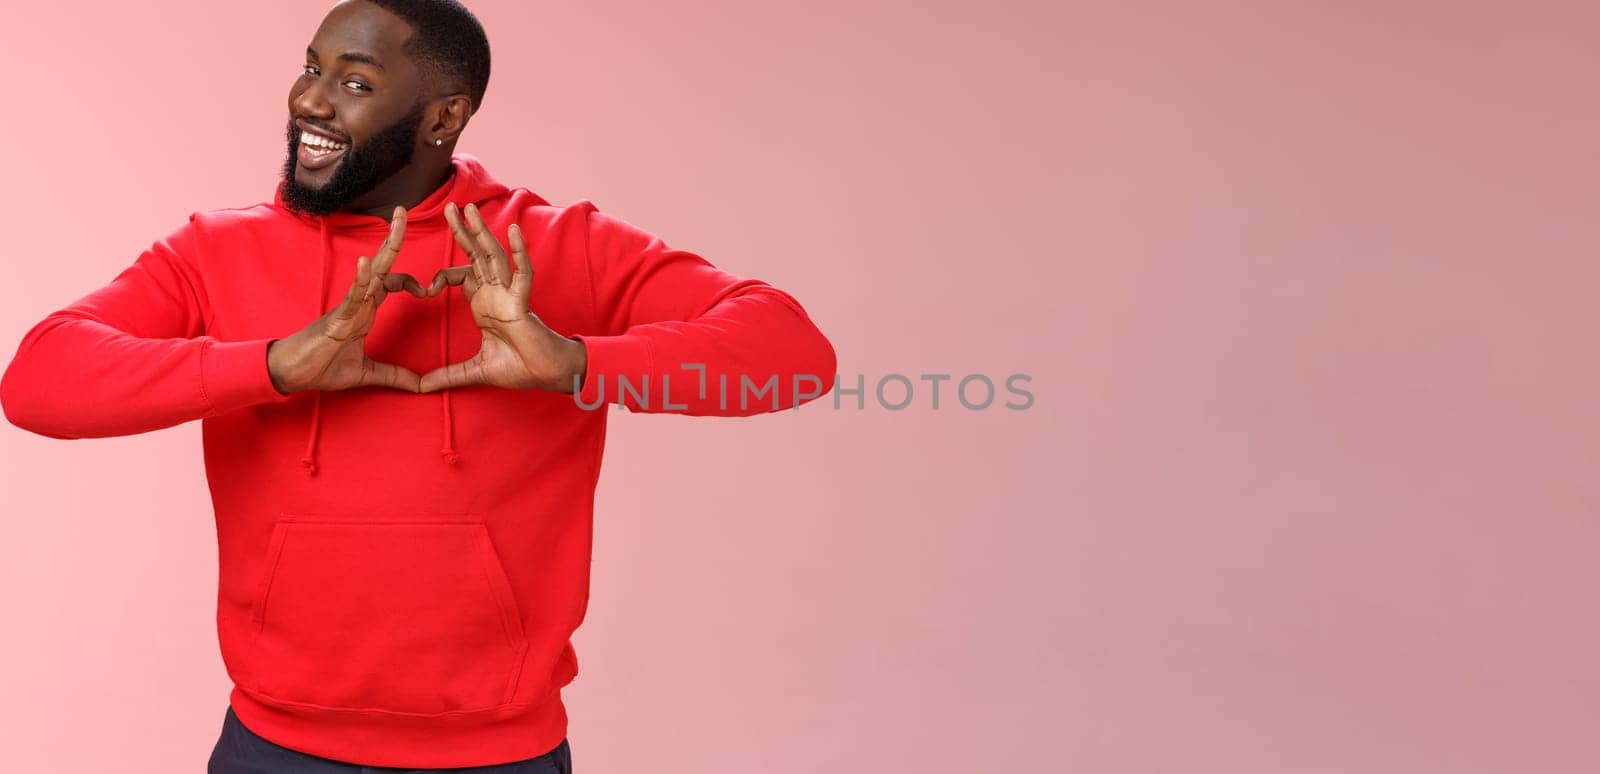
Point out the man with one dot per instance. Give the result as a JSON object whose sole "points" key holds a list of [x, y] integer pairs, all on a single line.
{"points": [[404, 488]]}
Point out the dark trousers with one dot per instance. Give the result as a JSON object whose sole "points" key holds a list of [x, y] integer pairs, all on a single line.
{"points": [[240, 751]]}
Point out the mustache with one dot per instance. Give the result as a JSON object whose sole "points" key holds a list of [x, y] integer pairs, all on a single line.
{"points": [[294, 131]]}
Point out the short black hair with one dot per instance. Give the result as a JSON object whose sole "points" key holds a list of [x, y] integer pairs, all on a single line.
{"points": [[448, 43]]}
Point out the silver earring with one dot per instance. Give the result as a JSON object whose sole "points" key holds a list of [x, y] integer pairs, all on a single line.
{"points": [[438, 141]]}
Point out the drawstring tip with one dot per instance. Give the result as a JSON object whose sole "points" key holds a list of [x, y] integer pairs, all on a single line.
{"points": [[449, 455], [310, 465]]}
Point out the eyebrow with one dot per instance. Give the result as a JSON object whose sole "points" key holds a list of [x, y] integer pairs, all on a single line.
{"points": [[351, 56]]}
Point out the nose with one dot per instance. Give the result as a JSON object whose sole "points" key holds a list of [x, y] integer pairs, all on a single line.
{"points": [[311, 102]]}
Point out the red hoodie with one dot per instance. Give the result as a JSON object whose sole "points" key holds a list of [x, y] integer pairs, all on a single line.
{"points": [[401, 573]]}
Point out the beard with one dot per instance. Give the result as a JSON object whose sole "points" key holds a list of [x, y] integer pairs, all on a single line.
{"points": [[363, 167]]}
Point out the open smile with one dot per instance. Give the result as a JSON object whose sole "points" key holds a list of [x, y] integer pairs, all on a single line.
{"points": [[318, 150]]}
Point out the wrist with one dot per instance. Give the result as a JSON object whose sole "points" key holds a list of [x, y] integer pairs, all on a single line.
{"points": [[568, 360], [272, 370], [577, 366], [282, 356]]}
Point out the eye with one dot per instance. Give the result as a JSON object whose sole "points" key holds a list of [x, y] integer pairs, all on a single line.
{"points": [[310, 69], [359, 86]]}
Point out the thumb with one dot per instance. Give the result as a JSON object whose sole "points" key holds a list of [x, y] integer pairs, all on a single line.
{"points": [[453, 375], [377, 373]]}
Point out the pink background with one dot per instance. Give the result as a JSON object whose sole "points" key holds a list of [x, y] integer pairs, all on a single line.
{"points": [[1306, 291]]}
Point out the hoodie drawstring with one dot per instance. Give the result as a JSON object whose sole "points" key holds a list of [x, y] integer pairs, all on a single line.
{"points": [[448, 452], [314, 432], [309, 460]]}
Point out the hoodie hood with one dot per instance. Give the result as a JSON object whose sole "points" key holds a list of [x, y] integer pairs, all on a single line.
{"points": [[469, 182]]}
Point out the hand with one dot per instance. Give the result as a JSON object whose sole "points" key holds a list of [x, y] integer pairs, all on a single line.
{"points": [[328, 354], [518, 350]]}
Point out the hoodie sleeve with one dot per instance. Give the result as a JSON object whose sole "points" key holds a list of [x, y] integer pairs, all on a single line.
{"points": [[682, 336], [133, 356]]}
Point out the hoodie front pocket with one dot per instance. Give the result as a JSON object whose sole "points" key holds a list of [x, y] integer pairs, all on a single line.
{"points": [[398, 616]]}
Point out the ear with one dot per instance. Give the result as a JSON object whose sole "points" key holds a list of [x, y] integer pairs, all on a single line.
{"points": [[448, 115]]}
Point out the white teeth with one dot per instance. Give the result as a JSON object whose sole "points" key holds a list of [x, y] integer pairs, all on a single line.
{"points": [[320, 142]]}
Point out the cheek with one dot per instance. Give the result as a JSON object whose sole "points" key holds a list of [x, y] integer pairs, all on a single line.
{"points": [[356, 123]]}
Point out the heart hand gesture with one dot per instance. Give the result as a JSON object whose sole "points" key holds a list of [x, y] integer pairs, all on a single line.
{"points": [[518, 350], [328, 354]]}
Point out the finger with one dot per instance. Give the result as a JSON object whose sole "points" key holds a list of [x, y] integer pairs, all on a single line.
{"points": [[476, 252], [522, 278], [367, 278], [497, 267], [395, 282], [466, 239], [492, 264], [357, 294], [450, 275], [391, 244], [458, 229], [379, 374], [453, 375]]}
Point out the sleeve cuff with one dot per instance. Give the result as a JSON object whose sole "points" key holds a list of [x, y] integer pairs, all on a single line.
{"points": [[233, 375], [611, 359]]}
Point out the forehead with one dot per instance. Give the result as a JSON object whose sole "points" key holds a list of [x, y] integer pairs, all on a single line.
{"points": [[358, 26]]}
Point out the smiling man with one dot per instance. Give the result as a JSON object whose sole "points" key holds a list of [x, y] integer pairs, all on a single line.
{"points": [[403, 474]]}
